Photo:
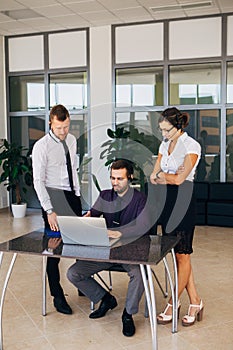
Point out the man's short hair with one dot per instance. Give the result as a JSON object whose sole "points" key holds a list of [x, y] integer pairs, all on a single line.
{"points": [[123, 164], [60, 112]]}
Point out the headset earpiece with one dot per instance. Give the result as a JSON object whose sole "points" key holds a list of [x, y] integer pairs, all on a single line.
{"points": [[179, 123], [130, 178]]}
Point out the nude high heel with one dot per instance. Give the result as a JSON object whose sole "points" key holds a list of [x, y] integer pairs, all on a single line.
{"points": [[189, 320], [163, 318]]}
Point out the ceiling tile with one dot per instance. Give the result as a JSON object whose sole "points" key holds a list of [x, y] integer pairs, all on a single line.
{"points": [[70, 20], [157, 3], [36, 22], [13, 25], [49, 27], [6, 5], [53, 10], [98, 16], [202, 12], [4, 18], [89, 6], [105, 23], [226, 4], [37, 3], [119, 4], [168, 14], [133, 13]]}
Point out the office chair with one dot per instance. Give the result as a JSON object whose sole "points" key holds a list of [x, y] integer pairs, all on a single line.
{"points": [[119, 268]]}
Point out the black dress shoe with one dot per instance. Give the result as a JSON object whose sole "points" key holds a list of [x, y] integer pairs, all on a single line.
{"points": [[108, 303], [81, 293], [62, 306], [128, 324]]}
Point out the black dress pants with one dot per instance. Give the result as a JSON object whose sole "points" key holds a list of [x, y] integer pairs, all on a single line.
{"points": [[64, 203]]}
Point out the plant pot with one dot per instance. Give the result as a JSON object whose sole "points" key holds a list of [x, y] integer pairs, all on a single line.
{"points": [[19, 210]]}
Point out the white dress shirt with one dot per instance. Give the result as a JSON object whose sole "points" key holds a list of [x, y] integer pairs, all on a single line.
{"points": [[49, 166], [185, 145]]}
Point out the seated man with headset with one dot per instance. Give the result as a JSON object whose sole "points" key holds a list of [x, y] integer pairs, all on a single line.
{"points": [[125, 213]]}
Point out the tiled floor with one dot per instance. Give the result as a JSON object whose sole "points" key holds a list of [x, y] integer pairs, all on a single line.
{"points": [[25, 328]]}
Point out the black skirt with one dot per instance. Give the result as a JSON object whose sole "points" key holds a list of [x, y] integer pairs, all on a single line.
{"points": [[175, 206]]}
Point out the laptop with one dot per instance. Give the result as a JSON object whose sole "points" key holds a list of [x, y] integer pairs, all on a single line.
{"points": [[88, 231]]}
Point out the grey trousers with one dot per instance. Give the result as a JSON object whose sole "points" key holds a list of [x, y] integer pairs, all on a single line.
{"points": [[80, 274]]}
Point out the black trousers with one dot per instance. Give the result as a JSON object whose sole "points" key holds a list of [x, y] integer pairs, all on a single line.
{"points": [[64, 203]]}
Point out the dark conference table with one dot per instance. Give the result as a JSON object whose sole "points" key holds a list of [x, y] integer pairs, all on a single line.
{"points": [[146, 251]]}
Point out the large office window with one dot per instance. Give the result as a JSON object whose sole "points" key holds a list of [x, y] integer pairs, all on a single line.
{"points": [[229, 146], [206, 130], [69, 89], [230, 82], [27, 93], [195, 84], [139, 87], [35, 87]]}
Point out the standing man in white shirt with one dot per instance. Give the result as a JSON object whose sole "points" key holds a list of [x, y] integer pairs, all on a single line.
{"points": [[56, 183]]}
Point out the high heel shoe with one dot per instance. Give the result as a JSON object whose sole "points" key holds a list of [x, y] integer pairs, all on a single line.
{"points": [[189, 320], [163, 318]]}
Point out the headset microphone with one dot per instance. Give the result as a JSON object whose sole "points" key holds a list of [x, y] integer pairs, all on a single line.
{"points": [[166, 139]]}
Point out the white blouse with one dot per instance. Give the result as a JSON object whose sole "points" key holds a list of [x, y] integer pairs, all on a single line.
{"points": [[185, 145]]}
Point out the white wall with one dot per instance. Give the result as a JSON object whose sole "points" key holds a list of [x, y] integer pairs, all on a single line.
{"points": [[3, 130], [100, 100]]}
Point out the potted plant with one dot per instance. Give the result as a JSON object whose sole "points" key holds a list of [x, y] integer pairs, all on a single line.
{"points": [[15, 174]]}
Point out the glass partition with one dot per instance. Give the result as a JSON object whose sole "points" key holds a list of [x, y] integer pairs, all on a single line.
{"points": [[195, 84], [139, 87], [229, 146], [26, 93], [69, 89], [27, 130], [230, 82], [208, 124]]}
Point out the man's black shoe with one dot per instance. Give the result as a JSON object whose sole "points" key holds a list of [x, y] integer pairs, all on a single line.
{"points": [[80, 293], [128, 324], [108, 303], [62, 306]]}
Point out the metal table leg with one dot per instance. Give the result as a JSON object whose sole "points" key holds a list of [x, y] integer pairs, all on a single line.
{"points": [[174, 290], [44, 265], [150, 298], [175, 310], [9, 271]]}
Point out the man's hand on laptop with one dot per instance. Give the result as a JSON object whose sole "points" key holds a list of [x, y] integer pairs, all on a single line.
{"points": [[114, 234], [88, 214], [52, 219]]}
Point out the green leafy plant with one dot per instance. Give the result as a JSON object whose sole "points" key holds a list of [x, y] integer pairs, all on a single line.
{"points": [[16, 169], [134, 146]]}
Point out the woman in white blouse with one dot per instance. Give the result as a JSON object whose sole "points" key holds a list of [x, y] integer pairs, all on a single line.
{"points": [[173, 174]]}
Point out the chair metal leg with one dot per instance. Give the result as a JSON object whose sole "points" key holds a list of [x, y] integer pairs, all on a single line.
{"points": [[92, 306], [165, 293], [104, 283], [110, 280]]}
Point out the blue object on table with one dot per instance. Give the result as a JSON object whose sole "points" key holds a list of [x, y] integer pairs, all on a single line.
{"points": [[52, 234]]}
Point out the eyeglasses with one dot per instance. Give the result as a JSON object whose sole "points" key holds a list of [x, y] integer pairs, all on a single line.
{"points": [[165, 130]]}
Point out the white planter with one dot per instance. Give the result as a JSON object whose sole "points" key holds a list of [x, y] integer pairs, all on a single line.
{"points": [[19, 210]]}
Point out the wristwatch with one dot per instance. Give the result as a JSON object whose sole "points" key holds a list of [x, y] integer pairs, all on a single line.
{"points": [[49, 211]]}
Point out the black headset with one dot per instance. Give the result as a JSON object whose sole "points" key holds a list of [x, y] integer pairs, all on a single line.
{"points": [[179, 121]]}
